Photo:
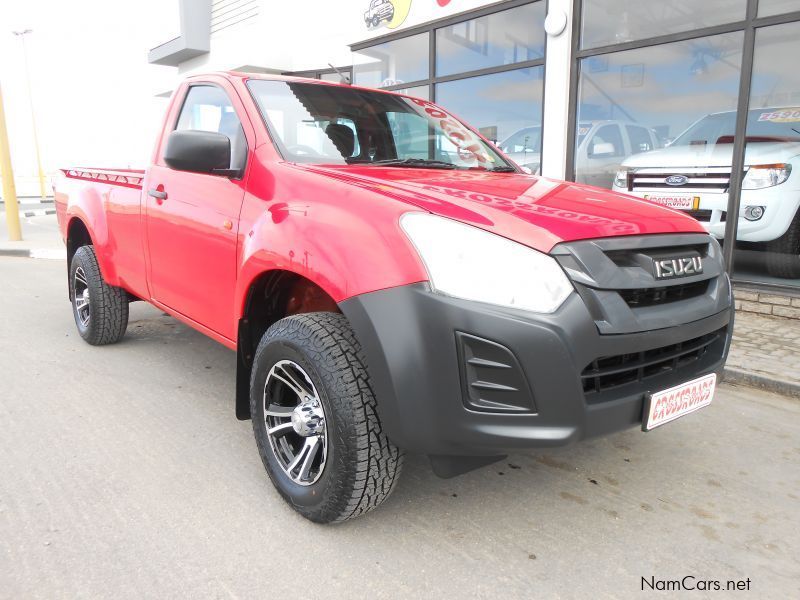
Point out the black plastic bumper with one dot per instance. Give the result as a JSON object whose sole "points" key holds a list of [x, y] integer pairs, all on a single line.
{"points": [[415, 351]]}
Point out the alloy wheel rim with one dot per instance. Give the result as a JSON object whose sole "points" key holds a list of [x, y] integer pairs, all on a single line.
{"points": [[80, 296], [295, 421]]}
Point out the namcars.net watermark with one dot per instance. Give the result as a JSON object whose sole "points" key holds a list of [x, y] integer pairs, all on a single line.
{"points": [[690, 583]]}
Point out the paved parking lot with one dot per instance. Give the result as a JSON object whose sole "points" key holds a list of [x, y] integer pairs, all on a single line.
{"points": [[124, 473]]}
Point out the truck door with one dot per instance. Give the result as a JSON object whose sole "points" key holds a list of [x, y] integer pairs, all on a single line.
{"points": [[193, 219]]}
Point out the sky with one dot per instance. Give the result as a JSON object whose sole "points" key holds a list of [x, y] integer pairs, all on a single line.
{"points": [[93, 89]]}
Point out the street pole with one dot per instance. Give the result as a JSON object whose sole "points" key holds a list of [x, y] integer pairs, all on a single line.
{"points": [[7, 174], [42, 185]]}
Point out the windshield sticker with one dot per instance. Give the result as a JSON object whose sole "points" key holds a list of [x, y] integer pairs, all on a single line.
{"points": [[785, 115], [468, 145]]}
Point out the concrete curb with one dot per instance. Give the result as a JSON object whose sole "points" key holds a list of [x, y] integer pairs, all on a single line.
{"points": [[39, 212], [14, 252], [46, 253], [769, 384], [31, 200]]}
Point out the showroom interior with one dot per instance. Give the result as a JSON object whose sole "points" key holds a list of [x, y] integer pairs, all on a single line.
{"points": [[693, 105]]}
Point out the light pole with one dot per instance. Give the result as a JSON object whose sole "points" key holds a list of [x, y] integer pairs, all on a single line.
{"points": [[42, 188]]}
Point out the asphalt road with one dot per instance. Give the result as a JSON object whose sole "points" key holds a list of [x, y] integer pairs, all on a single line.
{"points": [[124, 474]]}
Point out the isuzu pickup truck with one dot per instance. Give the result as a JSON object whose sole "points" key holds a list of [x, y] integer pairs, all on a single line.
{"points": [[392, 283]]}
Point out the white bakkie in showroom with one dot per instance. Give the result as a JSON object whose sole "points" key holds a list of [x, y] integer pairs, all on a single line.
{"points": [[692, 173]]}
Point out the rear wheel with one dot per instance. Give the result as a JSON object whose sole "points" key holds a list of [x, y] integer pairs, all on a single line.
{"points": [[783, 254], [315, 419], [100, 310]]}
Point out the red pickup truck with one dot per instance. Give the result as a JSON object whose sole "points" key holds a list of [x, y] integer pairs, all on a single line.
{"points": [[392, 282]]}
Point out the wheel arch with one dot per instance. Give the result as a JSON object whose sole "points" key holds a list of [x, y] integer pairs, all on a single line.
{"points": [[87, 224], [271, 296], [77, 235]]}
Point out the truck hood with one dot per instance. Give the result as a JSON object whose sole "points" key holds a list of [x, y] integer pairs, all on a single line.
{"points": [[718, 155], [534, 211]]}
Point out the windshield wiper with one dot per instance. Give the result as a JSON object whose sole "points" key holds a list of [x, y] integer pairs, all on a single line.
{"points": [[502, 169], [422, 163]]}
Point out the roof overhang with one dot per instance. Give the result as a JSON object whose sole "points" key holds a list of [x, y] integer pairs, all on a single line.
{"points": [[195, 37]]}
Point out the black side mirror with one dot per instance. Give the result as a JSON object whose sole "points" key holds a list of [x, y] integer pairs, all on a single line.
{"points": [[199, 152]]}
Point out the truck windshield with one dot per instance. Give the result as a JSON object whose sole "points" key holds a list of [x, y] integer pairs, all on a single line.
{"points": [[763, 125], [325, 124]]}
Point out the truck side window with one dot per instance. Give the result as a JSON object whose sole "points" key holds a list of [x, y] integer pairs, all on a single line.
{"points": [[607, 142], [640, 139], [207, 108]]}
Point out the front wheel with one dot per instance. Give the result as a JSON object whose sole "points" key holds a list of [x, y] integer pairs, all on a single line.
{"points": [[100, 310], [315, 419]]}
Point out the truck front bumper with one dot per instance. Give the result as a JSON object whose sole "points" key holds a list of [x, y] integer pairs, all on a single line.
{"points": [[780, 204], [460, 378]]}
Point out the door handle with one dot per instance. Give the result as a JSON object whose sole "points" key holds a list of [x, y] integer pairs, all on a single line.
{"points": [[157, 194]]}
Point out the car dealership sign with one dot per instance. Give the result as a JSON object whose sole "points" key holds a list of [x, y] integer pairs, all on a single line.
{"points": [[384, 16]]}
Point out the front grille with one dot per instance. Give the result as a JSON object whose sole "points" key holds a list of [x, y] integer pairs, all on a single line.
{"points": [[707, 178], [642, 297], [611, 372], [617, 282]]}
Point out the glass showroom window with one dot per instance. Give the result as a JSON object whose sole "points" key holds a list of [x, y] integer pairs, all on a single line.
{"points": [[505, 107], [767, 8], [769, 221], [488, 70], [392, 63], [501, 38], [649, 113], [607, 22], [419, 91]]}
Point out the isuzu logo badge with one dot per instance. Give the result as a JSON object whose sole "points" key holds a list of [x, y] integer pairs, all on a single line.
{"points": [[676, 180], [668, 268]]}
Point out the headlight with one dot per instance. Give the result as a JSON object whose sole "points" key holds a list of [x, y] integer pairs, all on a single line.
{"points": [[763, 176], [467, 262], [621, 179]]}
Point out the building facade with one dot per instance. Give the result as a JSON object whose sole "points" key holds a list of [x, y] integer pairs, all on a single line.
{"points": [[695, 105]]}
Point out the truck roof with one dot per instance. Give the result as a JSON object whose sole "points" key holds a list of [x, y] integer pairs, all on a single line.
{"points": [[243, 76]]}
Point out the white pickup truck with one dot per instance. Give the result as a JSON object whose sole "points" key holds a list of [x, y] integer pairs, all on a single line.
{"points": [[693, 172]]}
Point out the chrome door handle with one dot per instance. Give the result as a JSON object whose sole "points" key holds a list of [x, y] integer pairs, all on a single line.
{"points": [[157, 194]]}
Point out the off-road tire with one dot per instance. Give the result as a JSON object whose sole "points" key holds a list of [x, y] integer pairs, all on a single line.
{"points": [[783, 253], [108, 305], [362, 465]]}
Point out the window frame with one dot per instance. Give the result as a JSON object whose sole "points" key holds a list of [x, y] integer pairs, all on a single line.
{"points": [[179, 112]]}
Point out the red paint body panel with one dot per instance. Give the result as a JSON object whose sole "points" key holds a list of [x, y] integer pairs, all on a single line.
{"points": [[196, 253]]}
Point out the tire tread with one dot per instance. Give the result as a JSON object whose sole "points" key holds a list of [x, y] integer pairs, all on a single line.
{"points": [[333, 348], [109, 304]]}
